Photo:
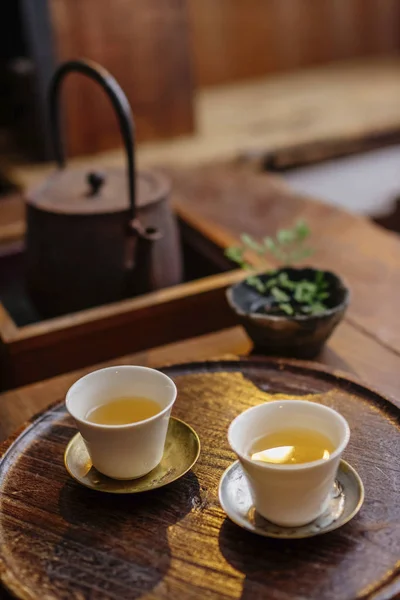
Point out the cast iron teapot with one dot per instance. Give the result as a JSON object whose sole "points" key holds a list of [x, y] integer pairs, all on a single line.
{"points": [[94, 237]]}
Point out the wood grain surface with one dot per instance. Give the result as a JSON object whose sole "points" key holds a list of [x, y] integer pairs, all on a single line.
{"points": [[234, 40], [59, 540], [12, 218], [222, 203], [146, 47], [313, 152]]}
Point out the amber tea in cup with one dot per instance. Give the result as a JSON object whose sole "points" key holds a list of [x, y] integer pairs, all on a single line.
{"points": [[292, 446], [122, 411], [122, 414], [290, 452]]}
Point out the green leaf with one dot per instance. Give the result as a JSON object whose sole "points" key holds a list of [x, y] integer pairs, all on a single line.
{"points": [[251, 243], [283, 277], [234, 253], [287, 248], [279, 295], [287, 308], [305, 291], [269, 243], [298, 294], [271, 283], [302, 230], [317, 308], [319, 278], [285, 282], [256, 283], [309, 286], [323, 295], [286, 236]]}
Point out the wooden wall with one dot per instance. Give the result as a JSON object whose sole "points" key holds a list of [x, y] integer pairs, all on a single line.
{"points": [[156, 47], [239, 39], [145, 45]]}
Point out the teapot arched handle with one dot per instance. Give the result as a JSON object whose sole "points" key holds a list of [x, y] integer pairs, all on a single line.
{"points": [[121, 106]]}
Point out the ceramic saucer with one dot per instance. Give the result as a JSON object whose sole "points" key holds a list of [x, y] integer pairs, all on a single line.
{"points": [[346, 501], [182, 449]]}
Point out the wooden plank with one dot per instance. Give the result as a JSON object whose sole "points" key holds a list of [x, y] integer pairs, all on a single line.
{"points": [[58, 345], [236, 40], [226, 203], [12, 218], [8, 329], [94, 318], [310, 153], [145, 47]]}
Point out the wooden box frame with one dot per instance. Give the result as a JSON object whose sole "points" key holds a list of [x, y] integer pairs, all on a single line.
{"points": [[45, 349], [34, 352]]}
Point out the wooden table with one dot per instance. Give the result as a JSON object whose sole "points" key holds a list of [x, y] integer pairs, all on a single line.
{"points": [[349, 350]]}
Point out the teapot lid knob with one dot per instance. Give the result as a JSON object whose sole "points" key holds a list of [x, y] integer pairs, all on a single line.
{"points": [[96, 180]]}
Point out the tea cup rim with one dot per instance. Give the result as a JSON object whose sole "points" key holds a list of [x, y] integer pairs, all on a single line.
{"points": [[296, 467], [125, 425]]}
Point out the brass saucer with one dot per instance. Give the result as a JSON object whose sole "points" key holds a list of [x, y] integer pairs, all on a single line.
{"points": [[346, 501], [182, 449]]}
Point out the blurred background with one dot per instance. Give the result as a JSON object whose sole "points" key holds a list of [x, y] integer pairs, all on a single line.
{"points": [[282, 82]]}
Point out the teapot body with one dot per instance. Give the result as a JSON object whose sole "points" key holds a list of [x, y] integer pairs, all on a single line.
{"points": [[78, 260], [96, 237]]}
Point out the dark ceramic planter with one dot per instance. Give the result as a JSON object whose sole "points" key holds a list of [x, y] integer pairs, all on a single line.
{"points": [[299, 336]]}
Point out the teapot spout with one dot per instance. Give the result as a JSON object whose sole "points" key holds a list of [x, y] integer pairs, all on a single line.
{"points": [[141, 270]]}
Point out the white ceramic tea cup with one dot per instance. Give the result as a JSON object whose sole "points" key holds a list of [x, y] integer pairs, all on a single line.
{"points": [[289, 495], [123, 451]]}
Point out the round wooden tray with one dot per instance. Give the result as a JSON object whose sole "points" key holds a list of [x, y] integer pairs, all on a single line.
{"points": [[60, 540]]}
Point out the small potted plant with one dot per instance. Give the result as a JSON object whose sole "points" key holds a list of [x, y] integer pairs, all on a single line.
{"points": [[287, 311]]}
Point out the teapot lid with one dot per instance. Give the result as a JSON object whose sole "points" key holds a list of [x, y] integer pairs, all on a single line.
{"points": [[85, 191]]}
